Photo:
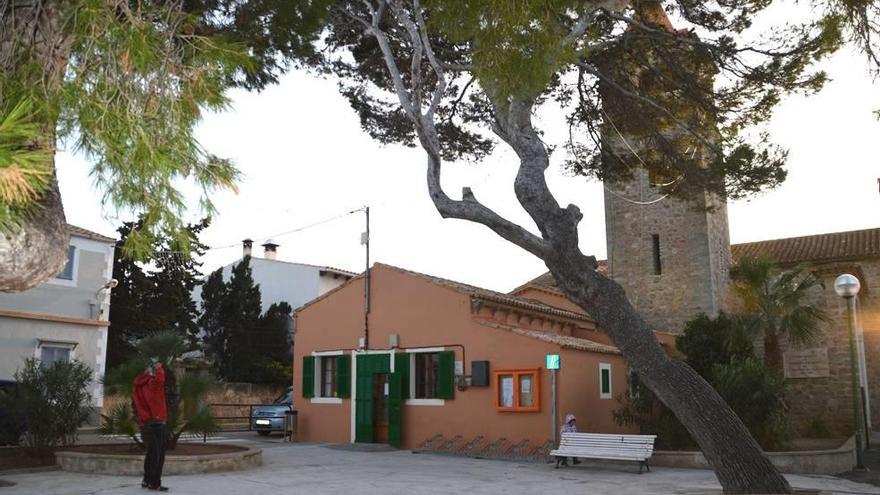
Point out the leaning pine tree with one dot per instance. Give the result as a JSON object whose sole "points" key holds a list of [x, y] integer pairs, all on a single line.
{"points": [[639, 94]]}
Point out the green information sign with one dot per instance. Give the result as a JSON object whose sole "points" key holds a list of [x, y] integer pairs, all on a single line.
{"points": [[552, 361]]}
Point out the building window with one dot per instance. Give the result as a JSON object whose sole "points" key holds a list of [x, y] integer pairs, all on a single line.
{"points": [[655, 249], [635, 384], [328, 376], [427, 369], [604, 381], [518, 390], [52, 352], [66, 273]]}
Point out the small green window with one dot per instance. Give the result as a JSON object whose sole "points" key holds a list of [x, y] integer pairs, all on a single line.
{"points": [[604, 381]]}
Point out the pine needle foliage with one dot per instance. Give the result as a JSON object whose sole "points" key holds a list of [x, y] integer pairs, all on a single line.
{"points": [[25, 170], [129, 84]]}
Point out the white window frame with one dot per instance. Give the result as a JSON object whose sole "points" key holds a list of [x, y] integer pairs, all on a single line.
{"points": [[412, 401], [610, 393], [318, 399], [59, 344], [74, 271]]}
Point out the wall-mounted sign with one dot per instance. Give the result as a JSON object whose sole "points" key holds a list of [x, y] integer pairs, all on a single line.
{"points": [[552, 361], [806, 363]]}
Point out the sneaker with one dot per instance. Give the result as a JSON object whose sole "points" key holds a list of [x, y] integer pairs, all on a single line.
{"points": [[158, 488]]}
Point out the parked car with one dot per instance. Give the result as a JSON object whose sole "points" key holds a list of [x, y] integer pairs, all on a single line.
{"points": [[269, 418], [12, 421]]}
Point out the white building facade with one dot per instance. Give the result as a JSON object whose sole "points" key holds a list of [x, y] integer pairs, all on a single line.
{"points": [[64, 318]]}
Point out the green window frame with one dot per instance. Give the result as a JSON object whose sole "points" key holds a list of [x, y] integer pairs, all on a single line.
{"points": [[605, 386], [343, 376], [308, 377]]}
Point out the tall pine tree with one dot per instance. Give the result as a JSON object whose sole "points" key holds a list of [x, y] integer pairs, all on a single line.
{"points": [[154, 297], [127, 303], [244, 345]]}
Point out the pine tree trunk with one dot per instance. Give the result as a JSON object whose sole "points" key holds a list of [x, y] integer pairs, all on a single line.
{"points": [[738, 461], [31, 31]]}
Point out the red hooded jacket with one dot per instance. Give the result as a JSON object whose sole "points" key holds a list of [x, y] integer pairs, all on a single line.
{"points": [[149, 396]]}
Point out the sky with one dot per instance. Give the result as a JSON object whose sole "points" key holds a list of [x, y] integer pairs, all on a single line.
{"points": [[305, 160]]}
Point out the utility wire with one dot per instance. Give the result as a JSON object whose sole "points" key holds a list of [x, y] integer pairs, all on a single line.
{"points": [[286, 232]]}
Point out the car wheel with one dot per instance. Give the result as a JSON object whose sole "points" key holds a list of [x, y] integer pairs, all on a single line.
{"points": [[264, 433]]}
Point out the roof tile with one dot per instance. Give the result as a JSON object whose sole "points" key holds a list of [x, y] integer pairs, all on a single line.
{"points": [[836, 246], [88, 234]]}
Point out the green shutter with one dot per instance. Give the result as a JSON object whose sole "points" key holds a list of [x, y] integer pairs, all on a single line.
{"points": [[343, 376], [401, 367], [308, 377], [446, 380], [363, 400], [395, 407]]}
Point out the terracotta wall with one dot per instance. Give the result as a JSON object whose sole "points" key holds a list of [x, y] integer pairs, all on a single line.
{"points": [[424, 314]]}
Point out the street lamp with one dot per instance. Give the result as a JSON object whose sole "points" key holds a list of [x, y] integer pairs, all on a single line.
{"points": [[847, 286]]}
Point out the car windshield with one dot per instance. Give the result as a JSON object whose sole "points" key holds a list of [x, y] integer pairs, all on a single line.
{"points": [[283, 398]]}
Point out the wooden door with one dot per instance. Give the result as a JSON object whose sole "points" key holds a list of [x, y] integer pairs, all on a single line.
{"points": [[380, 407]]}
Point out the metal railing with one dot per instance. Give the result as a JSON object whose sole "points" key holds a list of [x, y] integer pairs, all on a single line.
{"points": [[241, 417]]}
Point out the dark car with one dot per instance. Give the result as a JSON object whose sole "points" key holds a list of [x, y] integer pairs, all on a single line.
{"points": [[12, 421], [269, 418]]}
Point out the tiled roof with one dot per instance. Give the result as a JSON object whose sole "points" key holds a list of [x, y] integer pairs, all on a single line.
{"points": [[835, 246], [88, 234], [491, 295], [338, 271], [547, 280], [564, 341]]}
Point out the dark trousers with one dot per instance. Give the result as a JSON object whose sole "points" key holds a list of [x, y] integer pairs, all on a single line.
{"points": [[153, 435]]}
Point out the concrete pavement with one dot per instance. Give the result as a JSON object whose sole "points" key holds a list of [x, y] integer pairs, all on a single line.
{"points": [[319, 469]]}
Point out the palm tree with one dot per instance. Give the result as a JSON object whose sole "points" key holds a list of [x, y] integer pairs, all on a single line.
{"points": [[181, 388], [775, 301]]}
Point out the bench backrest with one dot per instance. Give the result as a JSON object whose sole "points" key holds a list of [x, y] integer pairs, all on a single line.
{"points": [[636, 446]]}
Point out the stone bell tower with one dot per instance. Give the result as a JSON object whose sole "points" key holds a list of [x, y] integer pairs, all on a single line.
{"points": [[671, 256]]}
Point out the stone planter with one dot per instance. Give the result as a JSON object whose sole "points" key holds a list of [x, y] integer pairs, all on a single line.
{"points": [[831, 461], [133, 464]]}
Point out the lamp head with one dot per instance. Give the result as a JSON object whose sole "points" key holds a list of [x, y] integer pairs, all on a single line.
{"points": [[847, 285]]}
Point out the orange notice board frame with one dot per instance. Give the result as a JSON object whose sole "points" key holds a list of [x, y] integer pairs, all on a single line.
{"points": [[516, 374]]}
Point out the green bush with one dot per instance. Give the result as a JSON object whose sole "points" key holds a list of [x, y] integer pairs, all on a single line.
{"points": [[654, 418], [54, 401], [710, 341], [720, 350], [755, 394]]}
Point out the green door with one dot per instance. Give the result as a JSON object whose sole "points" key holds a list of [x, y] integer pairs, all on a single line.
{"points": [[398, 388], [367, 366], [395, 410]]}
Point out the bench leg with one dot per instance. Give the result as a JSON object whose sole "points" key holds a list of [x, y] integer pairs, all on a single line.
{"points": [[645, 465]]}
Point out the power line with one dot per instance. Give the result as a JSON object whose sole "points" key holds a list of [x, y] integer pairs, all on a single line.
{"points": [[286, 232]]}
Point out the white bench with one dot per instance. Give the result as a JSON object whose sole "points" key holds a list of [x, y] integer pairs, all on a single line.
{"points": [[602, 446]]}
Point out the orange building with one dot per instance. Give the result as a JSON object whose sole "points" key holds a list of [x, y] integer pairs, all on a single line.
{"points": [[445, 358]]}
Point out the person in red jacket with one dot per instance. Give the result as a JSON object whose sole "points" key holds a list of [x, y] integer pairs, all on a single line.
{"points": [[152, 412]]}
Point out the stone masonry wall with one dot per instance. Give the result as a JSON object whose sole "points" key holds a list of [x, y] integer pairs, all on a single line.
{"points": [[694, 253], [829, 398]]}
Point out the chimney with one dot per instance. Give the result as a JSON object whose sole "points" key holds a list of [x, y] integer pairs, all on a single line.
{"points": [[269, 249], [247, 246]]}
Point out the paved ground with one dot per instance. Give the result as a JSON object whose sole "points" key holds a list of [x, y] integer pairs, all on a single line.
{"points": [[320, 469]]}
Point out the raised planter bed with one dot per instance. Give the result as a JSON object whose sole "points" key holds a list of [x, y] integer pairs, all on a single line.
{"points": [[188, 458], [814, 461]]}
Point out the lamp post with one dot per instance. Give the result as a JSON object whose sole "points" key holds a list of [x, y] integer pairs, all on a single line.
{"points": [[847, 286]]}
